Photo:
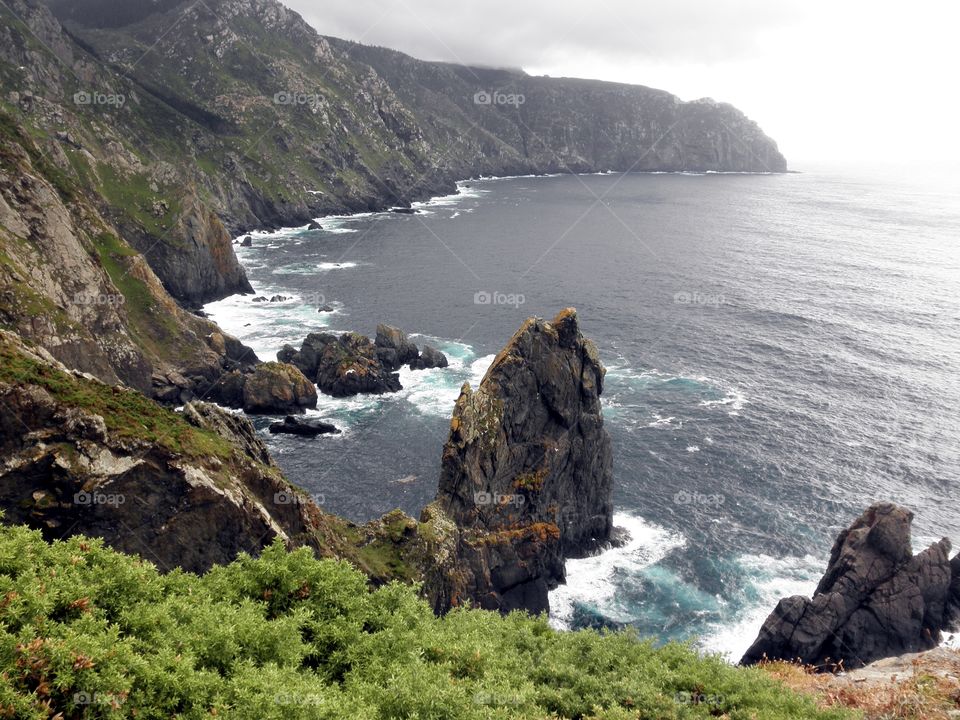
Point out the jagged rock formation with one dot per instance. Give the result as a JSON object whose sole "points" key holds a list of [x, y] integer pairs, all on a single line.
{"points": [[188, 489], [349, 364], [429, 358], [875, 600], [394, 349], [526, 476], [187, 492], [202, 265]]}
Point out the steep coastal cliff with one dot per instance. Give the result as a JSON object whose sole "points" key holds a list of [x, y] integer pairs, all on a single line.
{"points": [[245, 117]]}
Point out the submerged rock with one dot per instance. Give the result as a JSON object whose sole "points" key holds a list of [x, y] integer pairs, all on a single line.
{"points": [[875, 600], [292, 425], [429, 358], [526, 476]]}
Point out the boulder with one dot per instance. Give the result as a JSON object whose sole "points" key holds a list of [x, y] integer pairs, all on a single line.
{"points": [[325, 308], [227, 390], [246, 242], [526, 473], [275, 388], [292, 425], [350, 365], [279, 298], [876, 599], [307, 358], [314, 225], [429, 358], [394, 347], [259, 299]]}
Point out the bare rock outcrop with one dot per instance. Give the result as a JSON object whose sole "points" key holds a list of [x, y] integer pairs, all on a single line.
{"points": [[877, 599], [394, 348], [278, 388], [526, 474]]}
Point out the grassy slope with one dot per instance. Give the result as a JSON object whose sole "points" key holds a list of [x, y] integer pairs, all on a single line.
{"points": [[289, 636], [127, 413]]}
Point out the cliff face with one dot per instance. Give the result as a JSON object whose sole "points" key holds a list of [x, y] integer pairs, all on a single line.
{"points": [[70, 283], [526, 476], [189, 489], [876, 600], [138, 138], [246, 113], [499, 122]]}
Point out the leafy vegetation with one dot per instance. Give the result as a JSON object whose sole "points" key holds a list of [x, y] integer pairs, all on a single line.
{"points": [[87, 632]]}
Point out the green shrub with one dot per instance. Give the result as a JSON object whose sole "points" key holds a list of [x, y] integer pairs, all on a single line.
{"points": [[90, 633]]}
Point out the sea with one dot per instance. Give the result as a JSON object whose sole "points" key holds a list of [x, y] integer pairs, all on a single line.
{"points": [[782, 350]]}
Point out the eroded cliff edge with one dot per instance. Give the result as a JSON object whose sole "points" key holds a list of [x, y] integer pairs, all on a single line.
{"points": [[246, 118]]}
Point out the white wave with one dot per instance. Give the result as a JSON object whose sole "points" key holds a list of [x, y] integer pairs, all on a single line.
{"points": [[693, 448], [593, 580], [327, 266], [660, 421], [311, 268], [773, 579], [734, 398]]}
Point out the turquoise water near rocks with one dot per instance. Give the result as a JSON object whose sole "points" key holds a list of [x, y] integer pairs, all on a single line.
{"points": [[782, 351]]}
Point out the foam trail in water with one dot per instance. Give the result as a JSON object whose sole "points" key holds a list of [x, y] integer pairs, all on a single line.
{"points": [[770, 580], [592, 580]]}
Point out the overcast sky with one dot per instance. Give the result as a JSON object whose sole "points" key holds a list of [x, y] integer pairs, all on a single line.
{"points": [[840, 81]]}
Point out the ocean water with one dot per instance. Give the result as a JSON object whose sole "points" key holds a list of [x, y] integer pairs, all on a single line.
{"points": [[782, 350]]}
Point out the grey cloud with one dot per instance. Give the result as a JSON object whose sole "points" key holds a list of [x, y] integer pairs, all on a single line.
{"points": [[532, 33]]}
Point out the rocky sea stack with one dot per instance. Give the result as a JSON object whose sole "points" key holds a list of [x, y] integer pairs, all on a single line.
{"points": [[876, 600], [526, 475]]}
